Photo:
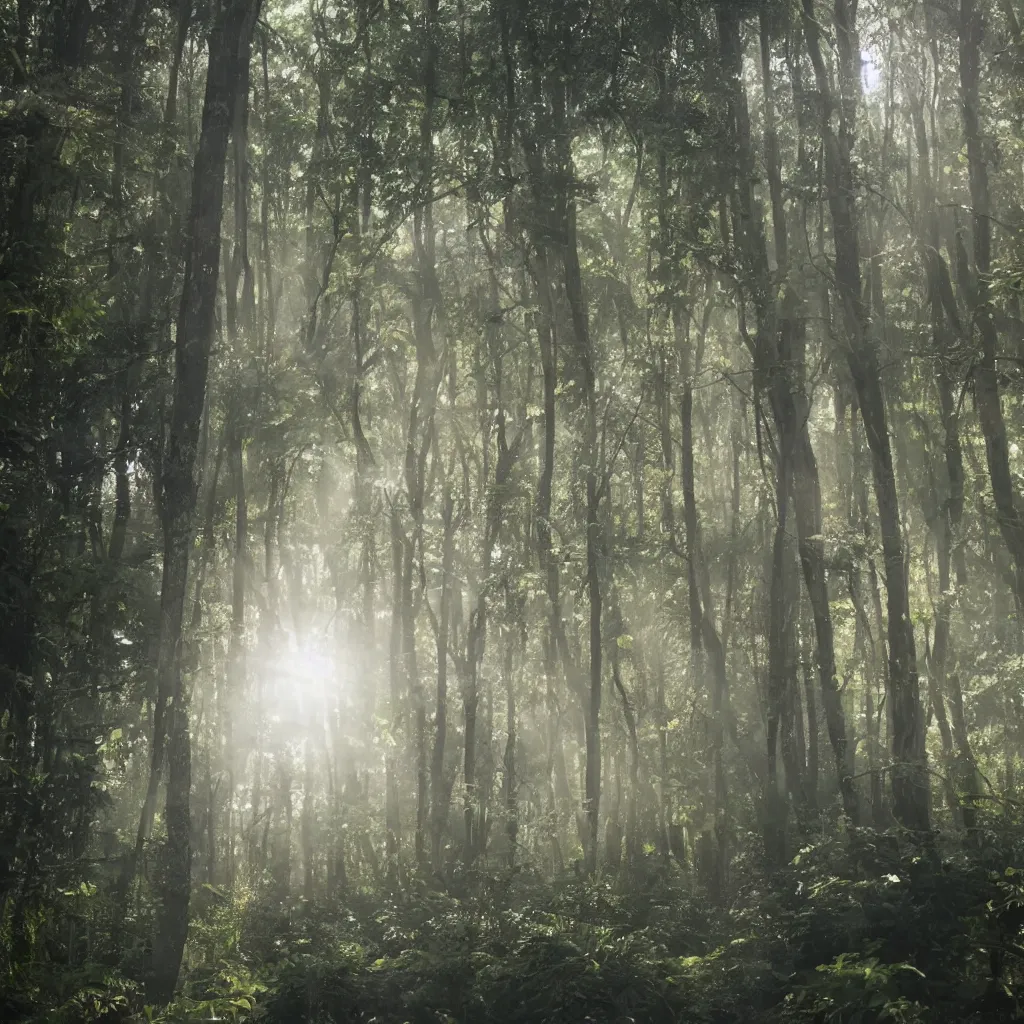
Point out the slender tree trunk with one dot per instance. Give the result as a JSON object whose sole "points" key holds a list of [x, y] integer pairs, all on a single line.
{"points": [[986, 378], [594, 490], [438, 789], [812, 730], [426, 303], [664, 793], [910, 782], [416, 692], [240, 320], [778, 356], [634, 765], [236, 644], [776, 807], [226, 78], [509, 760], [547, 563], [391, 799]]}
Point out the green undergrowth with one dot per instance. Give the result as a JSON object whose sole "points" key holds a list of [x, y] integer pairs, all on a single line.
{"points": [[866, 928]]}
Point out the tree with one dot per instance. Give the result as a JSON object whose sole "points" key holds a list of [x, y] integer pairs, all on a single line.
{"points": [[227, 79]]}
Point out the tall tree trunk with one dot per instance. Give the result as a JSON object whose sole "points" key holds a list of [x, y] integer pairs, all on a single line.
{"points": [[416, 692], [236, 644], [594, 489], [812, 730], [227, 76], [986, 378], [438, 788], [779, 367], [509, 761], [391, 796], [268, 628], [427, 299], [910, 784], [776, 806], [633, 796], [542, 519], [240, 320], [558, 648]]}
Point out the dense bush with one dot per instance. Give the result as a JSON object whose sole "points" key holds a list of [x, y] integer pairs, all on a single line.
{"points": [[860, 928]]}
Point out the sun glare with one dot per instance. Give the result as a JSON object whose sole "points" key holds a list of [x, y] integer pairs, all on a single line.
{"points": [[301, 676], [305, 665], [871, 70]]}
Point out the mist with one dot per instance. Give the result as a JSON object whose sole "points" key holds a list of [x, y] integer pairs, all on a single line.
{"points": [[511, 511]]}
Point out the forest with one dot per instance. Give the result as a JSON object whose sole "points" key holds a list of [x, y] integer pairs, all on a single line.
{"points": [[511, 511]]}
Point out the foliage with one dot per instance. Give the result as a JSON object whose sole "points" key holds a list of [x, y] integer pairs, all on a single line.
{"points": [[511, 510]]}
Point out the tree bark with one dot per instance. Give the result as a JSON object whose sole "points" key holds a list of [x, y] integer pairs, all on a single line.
{"points": [[910, 784], [986, 378], [391, 794], [778, 356], [438, 789], [581, 330], [226, 78]]}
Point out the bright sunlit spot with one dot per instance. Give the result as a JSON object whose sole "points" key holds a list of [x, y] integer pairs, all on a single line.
{"points": [[300, 679], [871, 70]]}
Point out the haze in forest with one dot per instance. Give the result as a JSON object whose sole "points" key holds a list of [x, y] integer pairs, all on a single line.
{"points": [[511, 510]]}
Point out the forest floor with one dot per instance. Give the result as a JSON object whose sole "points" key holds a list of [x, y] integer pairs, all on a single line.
{"points": [[864, 927]]}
